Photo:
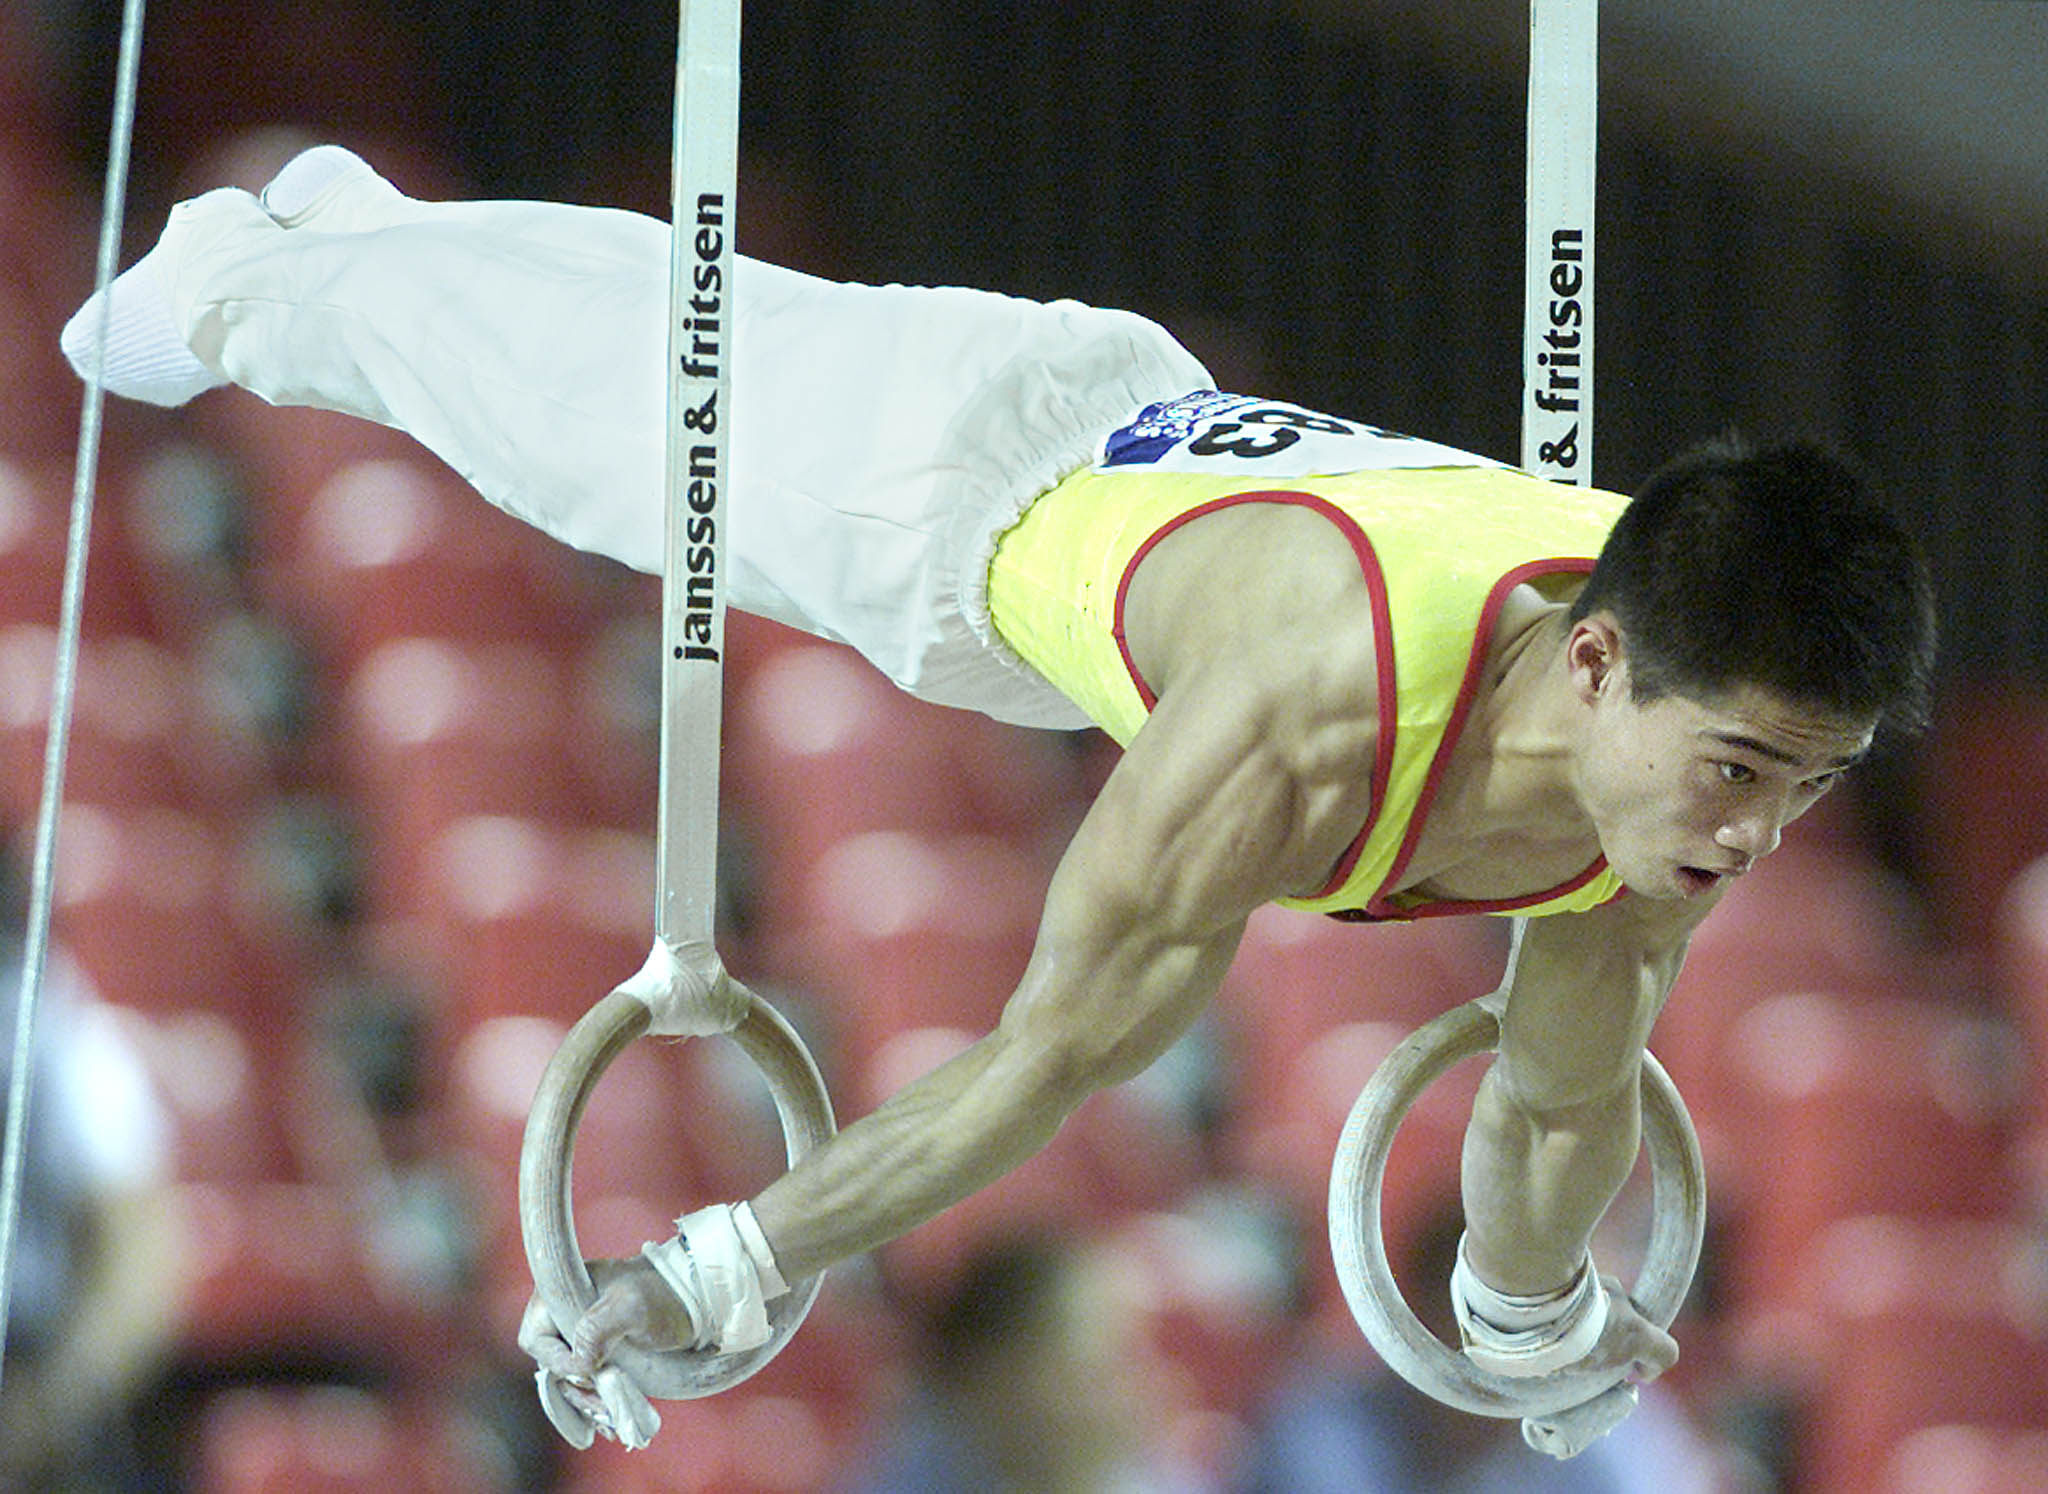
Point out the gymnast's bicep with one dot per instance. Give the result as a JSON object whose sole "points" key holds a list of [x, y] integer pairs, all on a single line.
{"points": [[1207, 816]]}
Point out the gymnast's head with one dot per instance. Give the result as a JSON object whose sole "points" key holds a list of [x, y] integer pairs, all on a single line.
{"points": [[1774, 569], [1754, 618]]}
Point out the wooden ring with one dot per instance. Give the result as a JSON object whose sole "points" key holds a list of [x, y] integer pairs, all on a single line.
{"points": [[546, 1219], [1678, 1223]]}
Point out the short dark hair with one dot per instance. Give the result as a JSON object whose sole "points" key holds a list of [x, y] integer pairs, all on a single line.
{"points": [[1775, 568]]}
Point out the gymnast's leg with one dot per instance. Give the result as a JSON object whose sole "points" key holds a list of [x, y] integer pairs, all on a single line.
{"points": [[881, 435], [522, 343]]}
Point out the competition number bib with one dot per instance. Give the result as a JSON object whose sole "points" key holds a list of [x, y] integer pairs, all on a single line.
{"points": [[1236, 435]]}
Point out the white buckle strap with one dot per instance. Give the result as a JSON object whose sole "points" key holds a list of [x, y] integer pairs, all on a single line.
{"points": [[719, 1264], [1522, 1337]]}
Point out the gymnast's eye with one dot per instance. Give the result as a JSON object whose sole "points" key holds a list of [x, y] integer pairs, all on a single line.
{"points": [[1737, 772]]}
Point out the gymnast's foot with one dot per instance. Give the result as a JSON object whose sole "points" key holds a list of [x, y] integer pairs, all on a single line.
{"points": [[148, 355], [331, 189]]}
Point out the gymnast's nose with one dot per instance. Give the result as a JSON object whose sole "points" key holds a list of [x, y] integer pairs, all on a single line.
{"points": [[1753, 835]]}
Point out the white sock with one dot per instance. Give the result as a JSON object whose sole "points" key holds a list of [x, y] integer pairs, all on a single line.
{"points": [[330, 186], [146, 354]]}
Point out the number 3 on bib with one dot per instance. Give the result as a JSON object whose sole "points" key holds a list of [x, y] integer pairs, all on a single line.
{"points": [[1284, 427], [1235, 434]]}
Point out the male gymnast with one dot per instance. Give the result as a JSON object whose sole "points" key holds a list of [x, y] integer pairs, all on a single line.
{"points": [[1354, 672]]}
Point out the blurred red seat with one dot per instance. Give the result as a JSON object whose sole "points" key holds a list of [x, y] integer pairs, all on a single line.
{"points": [[35, 519], [1123, 1151], [28, 92], [2020, 970], [612, 738], [638, 1146], [32, 541], [671, 1128], [1959, 1458], [287, 452], [1918, 1324], [741, 1441], [1298, 975], [139, 898], [495, 1069], [1048, 1194], [892, 931], [286, 1268], [820, 746], [1064, 1187], [45, 255], [537, 918], [220, 1096], [848, 1361], [436, 732], [401, 547], [751, 643], [1218, 1302], [326, 1439], [140, 731], [1815, 915], [1860, 1107], [1288, 1140], [1981, 779]]}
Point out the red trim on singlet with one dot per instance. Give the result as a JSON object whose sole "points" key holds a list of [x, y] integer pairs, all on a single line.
{"points": [[1381, 906], [1382, 641]]}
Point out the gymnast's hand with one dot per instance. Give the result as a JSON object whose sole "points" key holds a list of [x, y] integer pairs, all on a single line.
{"points": [[1632, 1348], [583, 1394], [635, 1307], [1589, 1329], [706, 1287]]}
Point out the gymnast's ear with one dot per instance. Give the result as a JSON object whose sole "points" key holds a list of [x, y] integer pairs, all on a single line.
{"points": [[1593, 654]]}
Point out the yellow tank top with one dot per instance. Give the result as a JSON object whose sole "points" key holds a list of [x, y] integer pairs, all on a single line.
{"points": [[1441, 546]]}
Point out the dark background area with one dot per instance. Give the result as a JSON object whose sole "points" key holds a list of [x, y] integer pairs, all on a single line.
{"points": [[1340, 205]]}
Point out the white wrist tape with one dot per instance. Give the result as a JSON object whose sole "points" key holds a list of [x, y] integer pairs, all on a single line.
{"points": [[772, 1284], [718, 1262], [1521, 1337], [687, 993]]}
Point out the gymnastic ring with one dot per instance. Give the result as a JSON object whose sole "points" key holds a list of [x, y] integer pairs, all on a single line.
{"points": [[546, 1219], [1677, 1227]]}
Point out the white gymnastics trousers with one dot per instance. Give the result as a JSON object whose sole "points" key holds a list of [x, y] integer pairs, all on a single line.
{"points": [[883, 437]]}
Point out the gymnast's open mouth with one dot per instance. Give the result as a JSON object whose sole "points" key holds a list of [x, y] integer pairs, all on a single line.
{"points": [[1695, 880]]}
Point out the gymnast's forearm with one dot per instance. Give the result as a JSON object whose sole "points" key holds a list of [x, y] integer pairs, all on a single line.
{"points": [[929, 1146], [1537, 1182], [1093, 1010], [1141, 920]]}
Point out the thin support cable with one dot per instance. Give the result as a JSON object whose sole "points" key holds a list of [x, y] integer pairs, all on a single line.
{"points": [[64, 672]]}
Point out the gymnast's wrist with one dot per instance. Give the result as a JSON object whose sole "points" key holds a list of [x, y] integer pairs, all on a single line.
{"points": [[1521, 1337], [719, 1264]]}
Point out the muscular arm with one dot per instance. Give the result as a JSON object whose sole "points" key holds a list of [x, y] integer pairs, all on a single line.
{"points": [[1556, 1124], [1209, 814], [1249, 779]]}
